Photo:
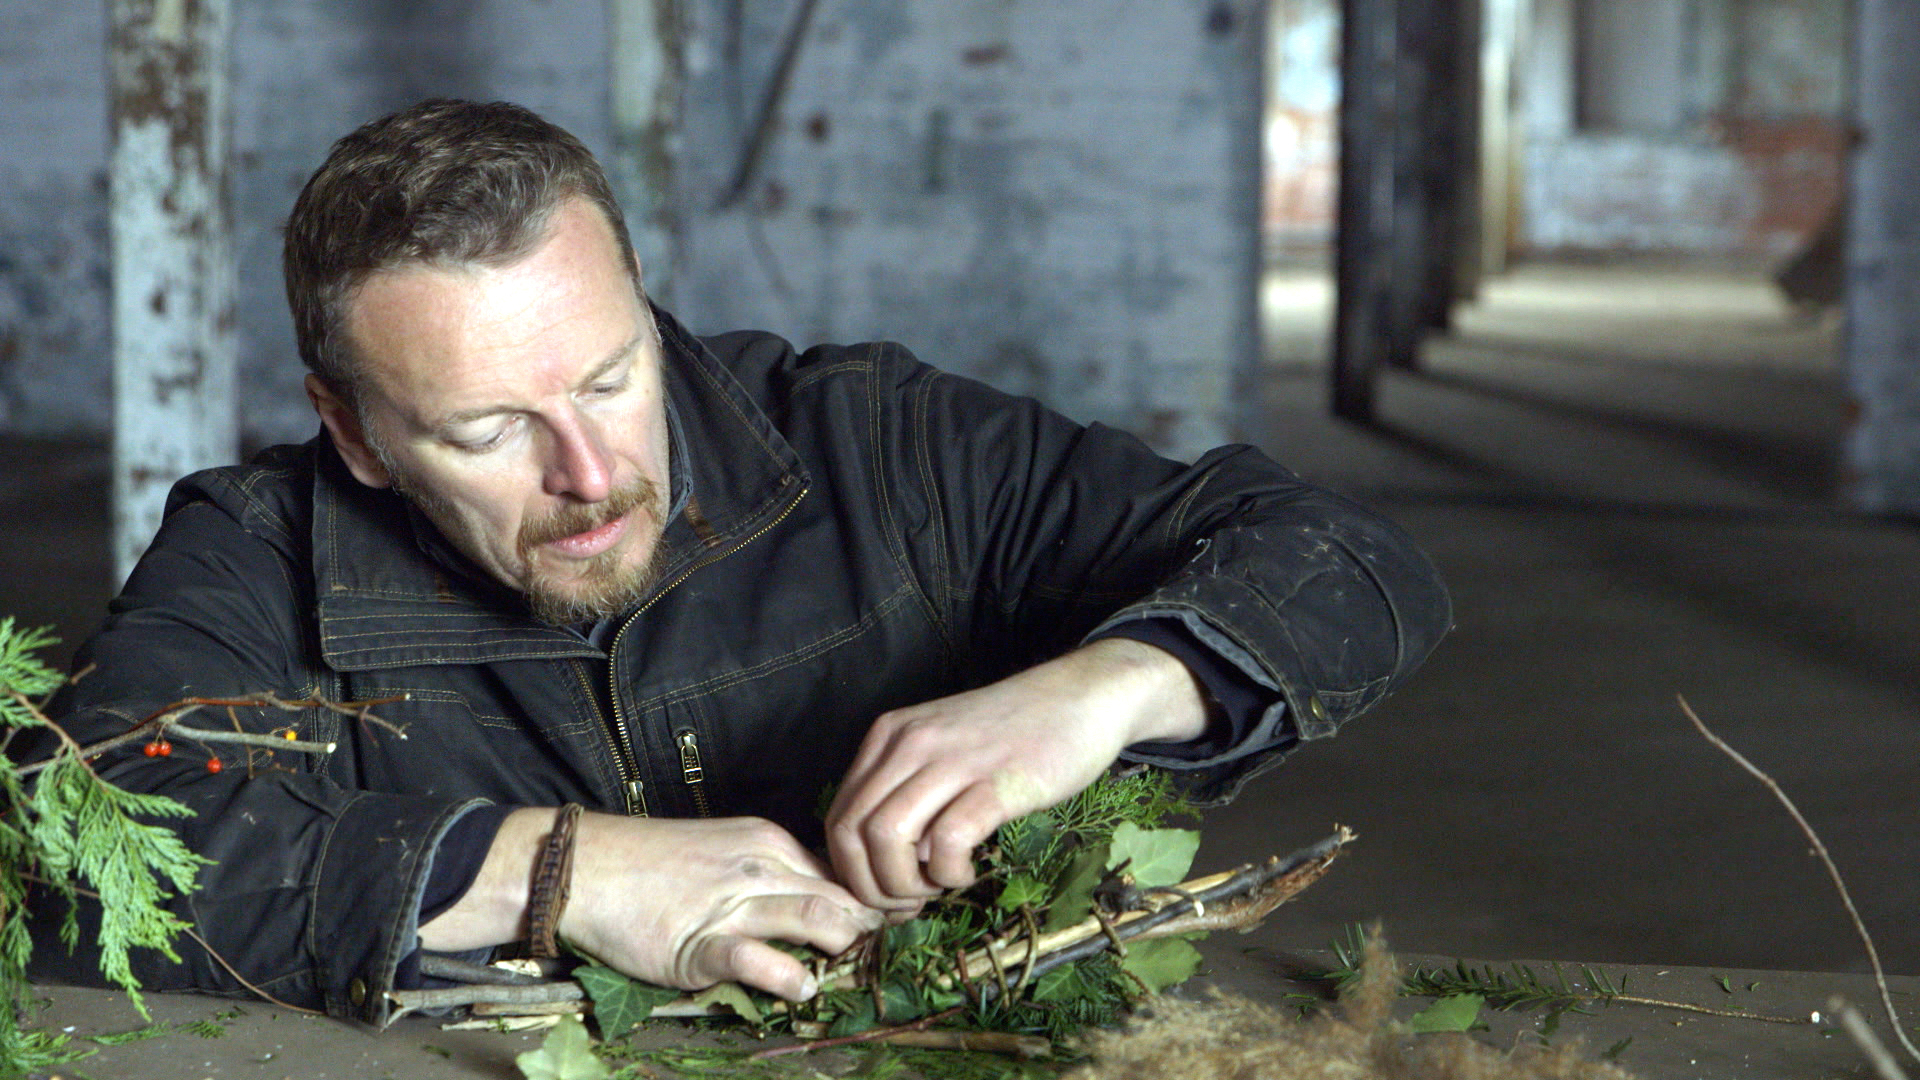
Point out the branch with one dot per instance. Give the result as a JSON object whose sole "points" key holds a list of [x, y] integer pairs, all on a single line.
{"points": [[1249, 893], [169, 721], [1833, 871], [875, 1035]]}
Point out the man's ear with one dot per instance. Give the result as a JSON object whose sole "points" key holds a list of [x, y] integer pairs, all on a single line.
{"points": [[344, 427]]}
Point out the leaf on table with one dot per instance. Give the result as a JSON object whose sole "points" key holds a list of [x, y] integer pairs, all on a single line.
{"points": [[733, 996], [1455, 1012], [1159, 856], [620, 1003], [1162, 962], [567, 1054], [1073, 894]]}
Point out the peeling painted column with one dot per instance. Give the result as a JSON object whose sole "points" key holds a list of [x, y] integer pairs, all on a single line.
{"points": [[173, 277], [644, 44], [1883, 263]]}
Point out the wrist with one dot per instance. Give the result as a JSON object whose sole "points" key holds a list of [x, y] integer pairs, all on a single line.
{"points": [[493, 911], [1158, 696]]}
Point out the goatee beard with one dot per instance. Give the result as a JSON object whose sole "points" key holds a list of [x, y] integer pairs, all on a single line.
{"points": [[599, 587]]}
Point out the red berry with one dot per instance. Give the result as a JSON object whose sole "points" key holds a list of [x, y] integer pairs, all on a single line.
{"points": [[165, 747], [213, 764], [152, 749]]}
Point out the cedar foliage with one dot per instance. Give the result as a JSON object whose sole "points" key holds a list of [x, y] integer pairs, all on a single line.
{"points": [[73, 834]]}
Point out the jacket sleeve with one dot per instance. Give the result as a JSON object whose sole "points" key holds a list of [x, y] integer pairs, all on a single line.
{"points": [[314, 888], [1056, 532]]}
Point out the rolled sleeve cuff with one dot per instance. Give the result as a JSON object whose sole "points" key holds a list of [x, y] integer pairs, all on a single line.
{"points": [[1245, 715], [366, 910]]}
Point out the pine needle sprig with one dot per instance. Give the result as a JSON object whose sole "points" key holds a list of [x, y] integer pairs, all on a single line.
{"points": [[1521, 988]]}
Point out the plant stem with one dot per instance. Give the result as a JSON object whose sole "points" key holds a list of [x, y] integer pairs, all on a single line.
{"points": [[875, 1035]]}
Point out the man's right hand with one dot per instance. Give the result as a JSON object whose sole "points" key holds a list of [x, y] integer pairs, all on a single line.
{"points": [[682, 903]]}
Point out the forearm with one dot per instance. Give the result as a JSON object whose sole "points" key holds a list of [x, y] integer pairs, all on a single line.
{"points": [[1154, 695]]}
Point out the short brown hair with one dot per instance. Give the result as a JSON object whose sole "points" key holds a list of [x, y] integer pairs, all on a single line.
{"points": [[444, 183]]}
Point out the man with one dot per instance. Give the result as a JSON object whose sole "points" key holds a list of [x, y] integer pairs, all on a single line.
{"points": [[689, 584]]}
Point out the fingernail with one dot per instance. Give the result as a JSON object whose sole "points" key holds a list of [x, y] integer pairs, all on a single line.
{"points": [[809, 988]]}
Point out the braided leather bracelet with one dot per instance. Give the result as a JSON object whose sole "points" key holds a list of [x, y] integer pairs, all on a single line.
{"points": [[552, 883]]}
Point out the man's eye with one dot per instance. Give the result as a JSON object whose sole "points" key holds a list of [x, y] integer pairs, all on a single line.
{"points": [[480, 443], [608, 389]]}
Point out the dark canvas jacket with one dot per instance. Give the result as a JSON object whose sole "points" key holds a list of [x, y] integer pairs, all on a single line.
{"points": [[861, 532]]}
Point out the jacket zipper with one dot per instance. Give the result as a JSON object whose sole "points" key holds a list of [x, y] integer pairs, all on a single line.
{"points": [[690, 768], [692, 773], [632, 787]]}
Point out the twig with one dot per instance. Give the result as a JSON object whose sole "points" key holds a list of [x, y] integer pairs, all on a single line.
{"points": [[249, 738], [1688, 1006], [442, 966], [242, 979], [991, 1042], [168, 720], [448, 997], [1833, 871], [1855, 1025], [875, 1035]]}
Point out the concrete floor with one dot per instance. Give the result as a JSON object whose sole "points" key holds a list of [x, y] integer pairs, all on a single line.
{"points": [[1626, 474]]}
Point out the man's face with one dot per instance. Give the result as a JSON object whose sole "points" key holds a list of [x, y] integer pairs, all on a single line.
{"points": [[520, 408]]}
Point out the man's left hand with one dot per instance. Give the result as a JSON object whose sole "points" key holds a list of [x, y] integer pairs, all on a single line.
{"points": [[931, 782]]}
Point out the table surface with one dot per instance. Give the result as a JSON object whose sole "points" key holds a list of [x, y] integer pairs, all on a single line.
{"points": [[263, 1042]]}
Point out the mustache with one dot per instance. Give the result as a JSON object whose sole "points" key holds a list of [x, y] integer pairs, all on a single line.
{"points": [[641, 493]]}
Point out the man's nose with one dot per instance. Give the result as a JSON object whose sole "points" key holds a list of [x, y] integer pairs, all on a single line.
{"points": [[578, 463]]}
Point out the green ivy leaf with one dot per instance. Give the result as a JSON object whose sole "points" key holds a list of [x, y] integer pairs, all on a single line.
{"points": [[855, 1020], [1162, 962], [1021, 891], [730, 995], [620, 1003], [1160, 856], [1064, 983], [1455, 1012], [1073, 895], [567, 1054]]}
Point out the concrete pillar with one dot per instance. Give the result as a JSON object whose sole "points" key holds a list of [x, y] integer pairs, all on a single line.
{"points": [[1883, 263], [173, 275], [645, 85], [1363, 230], [1499, 134]]}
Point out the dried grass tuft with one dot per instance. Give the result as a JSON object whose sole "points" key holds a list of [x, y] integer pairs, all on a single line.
{"points": [[1233, 1038]]}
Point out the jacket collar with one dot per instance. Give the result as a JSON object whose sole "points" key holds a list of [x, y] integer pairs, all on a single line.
{"points": [[390, 592]]}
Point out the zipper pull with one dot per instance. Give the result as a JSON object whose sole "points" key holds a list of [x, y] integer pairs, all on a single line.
{"points": [[636, 798], [690, 758], [692, 773]]}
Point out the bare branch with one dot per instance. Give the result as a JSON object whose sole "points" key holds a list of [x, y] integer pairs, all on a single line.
{"points": [[1820, 850]]}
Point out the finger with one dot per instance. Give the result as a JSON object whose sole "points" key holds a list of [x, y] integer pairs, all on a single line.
{"points": [[819, 920], [852, 845], [875, 749], [958, 832], [894, 829], [736, 958]]}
